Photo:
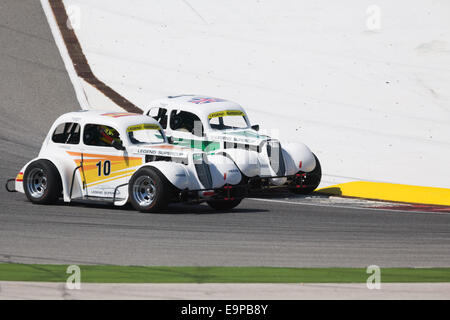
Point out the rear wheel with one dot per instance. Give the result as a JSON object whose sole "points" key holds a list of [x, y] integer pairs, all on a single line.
{"points": [[311, 180], [42, 183], [149, 190], [224, 204]]}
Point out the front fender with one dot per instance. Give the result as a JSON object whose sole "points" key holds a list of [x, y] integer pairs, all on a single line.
{"points": [[223, 171], [246, 161], [298, 157]]}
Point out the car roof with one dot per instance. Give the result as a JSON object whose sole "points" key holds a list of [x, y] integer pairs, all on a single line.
{"points": [[110, 118], [198, 104]]}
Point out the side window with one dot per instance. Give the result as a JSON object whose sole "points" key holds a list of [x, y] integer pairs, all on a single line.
{"points": [[67, 133], [160, 115], [100, 135], [186, 122]]}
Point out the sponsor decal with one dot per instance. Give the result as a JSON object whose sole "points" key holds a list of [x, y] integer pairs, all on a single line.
{"points": [[109, 192], [160, 152], [225, 113], [144, 126], [203, 100], [234, 139], [119, 114]]}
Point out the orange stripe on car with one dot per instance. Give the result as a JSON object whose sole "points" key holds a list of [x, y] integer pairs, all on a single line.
{"points": [[120, 165], [120, 114], [118, 176], [101, 156]]}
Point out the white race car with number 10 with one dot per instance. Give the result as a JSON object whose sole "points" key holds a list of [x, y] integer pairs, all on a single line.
{"points": [[124, 157]]}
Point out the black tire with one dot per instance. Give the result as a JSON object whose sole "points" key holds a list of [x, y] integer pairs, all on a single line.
{"points": [[312, 180], [42, 182], [141, 198], [224, 204]]}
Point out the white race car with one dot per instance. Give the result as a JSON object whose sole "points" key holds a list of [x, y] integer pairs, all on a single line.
{"points": [[218, 126], [124, 157]]}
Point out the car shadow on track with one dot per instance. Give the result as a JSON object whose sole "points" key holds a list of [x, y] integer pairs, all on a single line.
{"points": [[286, 195], [174, 208]]}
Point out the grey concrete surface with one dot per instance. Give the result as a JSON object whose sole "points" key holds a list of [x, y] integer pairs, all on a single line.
{"points": [[35, 89], [229, 291], [34, 86]]}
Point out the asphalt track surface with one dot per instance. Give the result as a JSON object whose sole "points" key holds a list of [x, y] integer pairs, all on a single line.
{"points": [[35, 89]]}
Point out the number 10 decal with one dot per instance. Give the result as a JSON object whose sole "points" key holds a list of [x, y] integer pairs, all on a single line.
{"points": [[106, 168]]}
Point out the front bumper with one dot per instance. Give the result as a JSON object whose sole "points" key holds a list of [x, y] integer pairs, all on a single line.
{"points": [[227, 192], [260, 184], [251, 187]]}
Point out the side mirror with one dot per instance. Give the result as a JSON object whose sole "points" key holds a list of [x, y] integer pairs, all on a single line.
{"points": [[255, 127], [170, 140]]}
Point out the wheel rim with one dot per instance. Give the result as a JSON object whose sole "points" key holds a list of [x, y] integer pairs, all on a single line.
{"points": [[144, 191], [37, 183]]}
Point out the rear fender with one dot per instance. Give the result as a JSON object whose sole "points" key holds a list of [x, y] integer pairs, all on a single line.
{"points": [[65, 170], [18, 183]]}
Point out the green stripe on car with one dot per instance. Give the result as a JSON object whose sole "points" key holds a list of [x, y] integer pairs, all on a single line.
{"points": [[203, 145]]}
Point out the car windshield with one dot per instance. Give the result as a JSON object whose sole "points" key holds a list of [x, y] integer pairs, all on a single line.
{"points": [[145, 133], [229, 119]]}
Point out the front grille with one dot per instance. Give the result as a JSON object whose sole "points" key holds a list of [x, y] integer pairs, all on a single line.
{"points": [[203, 170], [275, 155]]}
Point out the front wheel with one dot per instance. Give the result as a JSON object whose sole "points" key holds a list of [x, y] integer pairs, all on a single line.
{"points": [[224, 204], [149, 190], [311, 180]]}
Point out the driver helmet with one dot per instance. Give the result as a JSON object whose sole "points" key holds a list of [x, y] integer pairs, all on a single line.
{"points": [[108, 135]]}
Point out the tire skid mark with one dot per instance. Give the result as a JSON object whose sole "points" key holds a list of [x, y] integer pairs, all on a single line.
{"points": [[80, 61], [416, 207]]}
